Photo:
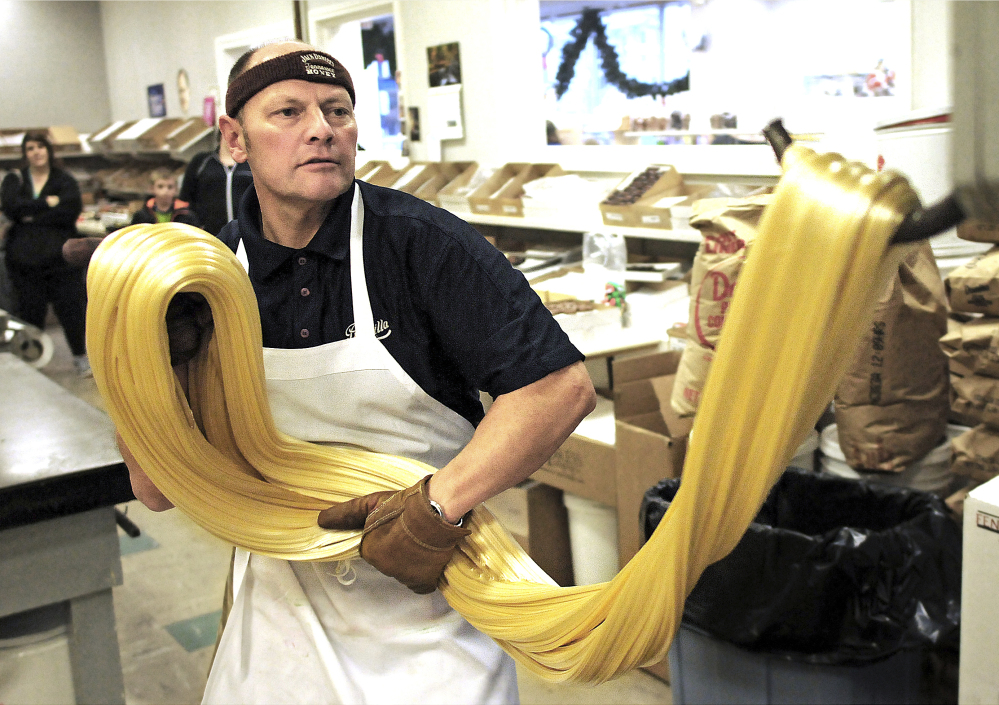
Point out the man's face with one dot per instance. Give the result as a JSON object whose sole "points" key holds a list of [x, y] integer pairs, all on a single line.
{"points": [[300, 139], [164, 191]]}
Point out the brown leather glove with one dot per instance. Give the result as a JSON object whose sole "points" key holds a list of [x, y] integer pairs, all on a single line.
{"points": [[189, 325], [403, 535], [78, 250]]}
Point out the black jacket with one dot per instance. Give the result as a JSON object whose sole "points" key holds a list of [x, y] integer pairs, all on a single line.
{"points": [[179, 213], [204, 188], [37, 230]]}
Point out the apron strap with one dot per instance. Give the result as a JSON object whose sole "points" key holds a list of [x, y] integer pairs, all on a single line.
{"points": [[364, 321]]}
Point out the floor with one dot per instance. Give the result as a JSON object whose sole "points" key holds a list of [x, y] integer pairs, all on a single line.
{"points": [[168, 606]]}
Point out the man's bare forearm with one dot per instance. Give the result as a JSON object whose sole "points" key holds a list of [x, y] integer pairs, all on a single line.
{"points": [[519, 433]]}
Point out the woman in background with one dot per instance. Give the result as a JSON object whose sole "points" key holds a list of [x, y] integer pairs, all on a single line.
{"points": [[42, 202], [213, 184]]}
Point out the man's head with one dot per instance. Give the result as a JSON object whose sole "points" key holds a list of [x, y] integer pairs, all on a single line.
{"points": [[164, 185], [260, 67], [290, 115]]}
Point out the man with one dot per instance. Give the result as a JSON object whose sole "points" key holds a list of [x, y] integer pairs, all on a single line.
{"points": [[382, 317]]}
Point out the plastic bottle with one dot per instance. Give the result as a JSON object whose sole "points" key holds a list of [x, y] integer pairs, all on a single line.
{"points": [[605, 259]]}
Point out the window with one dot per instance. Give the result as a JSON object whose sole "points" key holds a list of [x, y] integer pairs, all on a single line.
{"points": [[652, 44]]}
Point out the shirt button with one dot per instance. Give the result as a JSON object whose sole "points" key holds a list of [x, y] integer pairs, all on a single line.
{"points": [[302, 260], [305, 333], [305, 292]]}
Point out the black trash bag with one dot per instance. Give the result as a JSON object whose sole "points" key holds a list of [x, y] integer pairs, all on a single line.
{"points": [[831, 571]]}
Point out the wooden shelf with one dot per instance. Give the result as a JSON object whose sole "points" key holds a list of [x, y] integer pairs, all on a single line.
{"points": [[581, 225]]}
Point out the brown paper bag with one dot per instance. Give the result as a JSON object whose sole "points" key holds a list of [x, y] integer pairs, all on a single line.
{"points": [[971, 396], [892, 405], [691, 374], [728, 228], [974, 287], [972, 346], [978, 231], [976, 454]]}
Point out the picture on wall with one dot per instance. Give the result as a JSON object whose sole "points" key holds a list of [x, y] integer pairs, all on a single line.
{"points": [[414, 124], [444, 65], [157, 100]]}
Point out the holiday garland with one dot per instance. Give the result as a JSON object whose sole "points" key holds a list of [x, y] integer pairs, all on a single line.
{"points": [[590, 23]]}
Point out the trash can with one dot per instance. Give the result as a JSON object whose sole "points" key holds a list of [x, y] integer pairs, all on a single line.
{"points": [[34, 658], [835, 582]]}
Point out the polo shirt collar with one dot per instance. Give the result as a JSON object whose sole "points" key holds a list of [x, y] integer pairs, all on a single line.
{"points": [[332, 240]]}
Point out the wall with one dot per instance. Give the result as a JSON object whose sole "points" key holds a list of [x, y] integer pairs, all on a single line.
{"points": [[148, 42], [932, 86], [52, 68], [501, 83]]}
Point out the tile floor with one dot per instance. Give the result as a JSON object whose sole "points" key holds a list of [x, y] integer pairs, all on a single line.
{"points": [[168, 607]]}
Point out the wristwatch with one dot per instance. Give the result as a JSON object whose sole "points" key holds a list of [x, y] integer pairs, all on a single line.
{"points": [[440, 512]]}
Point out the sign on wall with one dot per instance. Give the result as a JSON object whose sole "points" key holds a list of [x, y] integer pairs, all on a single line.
{"points": [[157, 100]]}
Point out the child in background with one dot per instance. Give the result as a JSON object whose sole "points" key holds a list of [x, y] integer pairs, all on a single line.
{"points": [[164, 206]]}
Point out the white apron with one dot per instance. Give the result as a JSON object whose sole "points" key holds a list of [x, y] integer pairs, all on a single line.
{"points": [[299, 634]]}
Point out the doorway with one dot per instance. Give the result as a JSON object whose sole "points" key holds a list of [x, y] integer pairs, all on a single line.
{"points": [[363, 40]]}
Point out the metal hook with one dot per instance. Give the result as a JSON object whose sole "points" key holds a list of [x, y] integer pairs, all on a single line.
{"points": [[921, 224]]}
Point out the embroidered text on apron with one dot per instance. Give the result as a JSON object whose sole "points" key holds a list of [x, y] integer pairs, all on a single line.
{"points": [[297, 633]]}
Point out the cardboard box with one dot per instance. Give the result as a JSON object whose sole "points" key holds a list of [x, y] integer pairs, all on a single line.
{"points": [[366, 170], [509, 200], [127, 140], [650, 438], [453, 195], [536, 516], [155, 136], [669, 211], [668, 183], [65, 138], [444, 174], [104, 138], [414, 176], [978, 680], [485, 199], [584, 464], [383, 175], [11, 139], [187, 132]]}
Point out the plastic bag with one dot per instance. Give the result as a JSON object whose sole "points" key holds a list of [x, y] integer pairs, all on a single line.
{"points": [[605, 259], [831, 571]]}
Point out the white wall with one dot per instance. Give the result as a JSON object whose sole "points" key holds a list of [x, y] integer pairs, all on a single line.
{"points": [[500, 71], [52, 68], [932, 86], [148, 42]]}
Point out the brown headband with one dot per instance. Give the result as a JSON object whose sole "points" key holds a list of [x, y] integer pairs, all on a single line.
{"points": [[309, 65]]}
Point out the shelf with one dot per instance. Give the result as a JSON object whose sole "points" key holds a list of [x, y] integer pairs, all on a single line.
{"points": [[581, 225], [730, 131]]}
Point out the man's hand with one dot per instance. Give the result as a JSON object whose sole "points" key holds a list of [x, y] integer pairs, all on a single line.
{"points": [[403, 537], [53, 201], [189, 325]]}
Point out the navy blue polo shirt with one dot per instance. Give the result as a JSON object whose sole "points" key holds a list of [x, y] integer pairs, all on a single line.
{"points": [[447, 305]]}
